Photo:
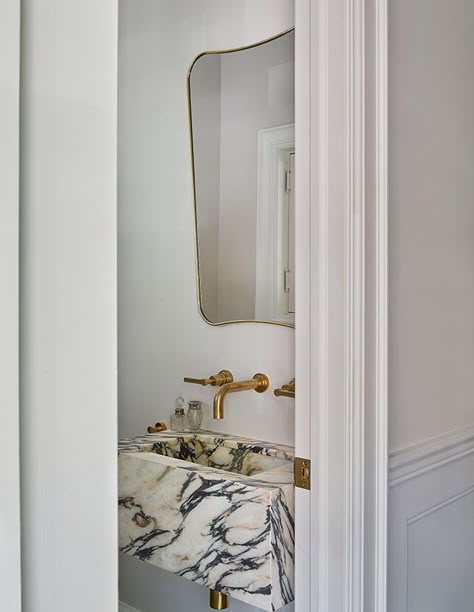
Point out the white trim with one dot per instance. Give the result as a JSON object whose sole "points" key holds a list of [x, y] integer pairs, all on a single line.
{"points": [[444, 504], [330, 310], [429, 455], [123, 607], [10, 554], [306, 543], [381, 307], [270, 142], [355, 307]]}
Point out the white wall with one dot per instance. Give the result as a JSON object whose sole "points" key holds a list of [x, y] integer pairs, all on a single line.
{"points": [[68, 295], [161, 334], [257, 92], [431, 223], [10, 591], [431, 297]]}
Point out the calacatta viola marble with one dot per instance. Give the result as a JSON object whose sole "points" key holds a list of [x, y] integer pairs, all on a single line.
{"points": [[213, 508]]}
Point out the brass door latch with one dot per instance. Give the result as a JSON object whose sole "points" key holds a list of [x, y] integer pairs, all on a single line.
{"points": [[302, 473]]}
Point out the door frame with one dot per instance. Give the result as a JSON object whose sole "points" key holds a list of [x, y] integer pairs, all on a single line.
{"points": [[10, 564], [335, 424], [341, 311]]}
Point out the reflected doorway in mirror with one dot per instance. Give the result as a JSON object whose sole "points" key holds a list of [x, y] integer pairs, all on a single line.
{"points": [[274, 289]]}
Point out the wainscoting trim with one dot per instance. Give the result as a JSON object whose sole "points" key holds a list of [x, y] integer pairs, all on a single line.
{"points": [[430, 455], [440, 506]]}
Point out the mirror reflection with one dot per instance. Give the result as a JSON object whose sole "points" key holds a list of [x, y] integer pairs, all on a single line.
{"points": [[242, 109]]}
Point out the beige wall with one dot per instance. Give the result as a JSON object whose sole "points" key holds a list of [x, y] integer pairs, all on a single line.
{"points": [[431, 218]]}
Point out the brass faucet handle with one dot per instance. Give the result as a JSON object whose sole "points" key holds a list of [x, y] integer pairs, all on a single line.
{"points": [[217, 380], [157, 428], [287, 390]]}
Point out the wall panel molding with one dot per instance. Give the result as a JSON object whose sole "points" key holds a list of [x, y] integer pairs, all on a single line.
{"points": [[430, 454], [431, 533], [123, 607], [429, 511]]}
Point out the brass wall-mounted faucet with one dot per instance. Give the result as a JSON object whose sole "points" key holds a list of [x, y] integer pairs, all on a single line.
{"points": [[259, 383], [286, 390]]}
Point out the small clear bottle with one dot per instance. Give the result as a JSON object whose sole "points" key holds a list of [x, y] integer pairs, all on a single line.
{"points": [[178, 420], [194, 415]]}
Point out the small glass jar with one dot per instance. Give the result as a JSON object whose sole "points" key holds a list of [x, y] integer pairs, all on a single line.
{"points": [[194, 415], [178, 420]]}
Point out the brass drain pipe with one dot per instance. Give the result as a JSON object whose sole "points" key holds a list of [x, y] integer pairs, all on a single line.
{"points": [[219, 601]]}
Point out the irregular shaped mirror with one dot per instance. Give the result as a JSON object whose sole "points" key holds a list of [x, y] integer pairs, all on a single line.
{"points": [[241, 106]]}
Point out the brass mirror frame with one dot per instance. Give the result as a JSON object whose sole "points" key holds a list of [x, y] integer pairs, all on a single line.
{"points": [[190, 116]]}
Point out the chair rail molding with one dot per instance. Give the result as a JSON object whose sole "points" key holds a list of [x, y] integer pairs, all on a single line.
{"points": [[332, 422], [429, 455]]}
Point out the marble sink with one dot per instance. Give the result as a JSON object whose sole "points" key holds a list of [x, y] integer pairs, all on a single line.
{"points": [[215, 509]]}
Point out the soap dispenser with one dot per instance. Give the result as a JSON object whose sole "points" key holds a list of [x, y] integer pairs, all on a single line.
{"points": [[178, 420]]}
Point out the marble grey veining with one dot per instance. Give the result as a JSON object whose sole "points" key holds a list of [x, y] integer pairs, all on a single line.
{"points": [[213, 508]]}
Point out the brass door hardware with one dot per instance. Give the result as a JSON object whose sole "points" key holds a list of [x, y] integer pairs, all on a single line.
{"points": [[259, 383], [286, 390], [216, 380], [302, 473], [219, 601]]}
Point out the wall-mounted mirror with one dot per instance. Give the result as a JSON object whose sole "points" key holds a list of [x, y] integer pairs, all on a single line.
{"points": [[241, 106]]}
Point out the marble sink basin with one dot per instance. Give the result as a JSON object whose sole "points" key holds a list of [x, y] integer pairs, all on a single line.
{"points": [[213, 508]]}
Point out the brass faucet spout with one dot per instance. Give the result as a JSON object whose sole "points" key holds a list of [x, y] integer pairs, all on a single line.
{"points": [[259, 383]]}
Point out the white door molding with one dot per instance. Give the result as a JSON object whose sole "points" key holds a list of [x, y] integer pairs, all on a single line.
{"points": [[341, 314], [271, 142], [10, 570], [377, 455]]}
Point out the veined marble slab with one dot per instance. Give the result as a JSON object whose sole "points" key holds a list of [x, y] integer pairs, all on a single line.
{"points": [[213, 508]]}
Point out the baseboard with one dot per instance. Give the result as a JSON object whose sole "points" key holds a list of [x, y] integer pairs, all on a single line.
{"points": [[123, 607], [429, 455]]}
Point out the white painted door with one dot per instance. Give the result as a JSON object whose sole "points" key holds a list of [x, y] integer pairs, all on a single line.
{"points": [[10, 586], [69, 304]]}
